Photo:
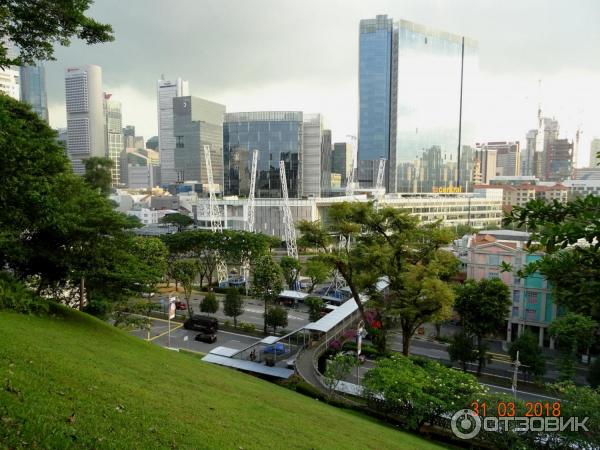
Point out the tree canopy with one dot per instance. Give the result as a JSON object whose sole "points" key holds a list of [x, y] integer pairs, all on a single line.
{"points": [[267, 282], [97, 173]]}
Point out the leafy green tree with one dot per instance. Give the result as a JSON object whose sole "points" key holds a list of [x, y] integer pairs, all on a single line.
{"points": [[290, 268], [210, 304], [483, 307], [181, 221], [233, 305], [575, 335], [462, 349], [276, 316], [315, 306], [153, 252], [34, 27], [317, 271], [338, 367], [186, 271], [97, 173], [530, 355], [267, 282]]}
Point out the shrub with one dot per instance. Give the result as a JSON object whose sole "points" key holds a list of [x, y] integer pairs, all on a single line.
{"points": [[245, 326], [16, 297]]}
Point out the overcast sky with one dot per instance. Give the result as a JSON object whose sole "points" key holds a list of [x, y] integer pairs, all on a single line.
{"points": [[303, 54]]}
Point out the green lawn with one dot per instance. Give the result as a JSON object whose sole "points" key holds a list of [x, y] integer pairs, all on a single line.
{"points": [[72, 381]]}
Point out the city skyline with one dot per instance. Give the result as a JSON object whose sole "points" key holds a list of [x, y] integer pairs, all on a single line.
{"points": [[327, 79]]}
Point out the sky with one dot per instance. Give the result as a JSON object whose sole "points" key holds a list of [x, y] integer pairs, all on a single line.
{"points": [[297, 55]]}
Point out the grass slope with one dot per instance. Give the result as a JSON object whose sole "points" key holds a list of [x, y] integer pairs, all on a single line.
{"points": [[71, 381]]}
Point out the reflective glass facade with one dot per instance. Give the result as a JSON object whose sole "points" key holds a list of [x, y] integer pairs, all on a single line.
{"points": [[277, 135], [33, 89]]}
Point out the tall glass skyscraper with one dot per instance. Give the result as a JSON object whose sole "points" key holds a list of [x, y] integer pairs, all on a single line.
{"points": [[33, 89], [425, 108], [114, 136], [277, 135]]}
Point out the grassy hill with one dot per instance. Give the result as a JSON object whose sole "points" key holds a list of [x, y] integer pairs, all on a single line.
{"points": [[71, 381]]}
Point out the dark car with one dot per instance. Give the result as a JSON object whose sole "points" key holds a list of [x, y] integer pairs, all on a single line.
{"points": [[182, 306], [204, 324], [209, 338]]}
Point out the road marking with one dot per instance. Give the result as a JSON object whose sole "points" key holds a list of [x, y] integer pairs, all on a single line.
{"points": [[166, 332], [520, 392]]}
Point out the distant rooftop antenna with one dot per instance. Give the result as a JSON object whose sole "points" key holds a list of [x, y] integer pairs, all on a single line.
{"points": [[539, 112]]}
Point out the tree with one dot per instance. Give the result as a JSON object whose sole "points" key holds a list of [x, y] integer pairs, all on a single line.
{"points": [[185, 271], [233, 305], [462, 349], [153, 252], [575, 335], [210, 304], [530, 355], [593, 375], [317, 271], [267, 282], [181, 221], [97, 173], [315, 306], [35, 26], [338, 367], [483, 306], [276, 316], [290, 268]]}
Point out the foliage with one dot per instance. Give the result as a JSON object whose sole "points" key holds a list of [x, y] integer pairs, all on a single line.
{"points": [[246, 326], [338, 367], [483, 306], [181, 221], [315, 305], [290, 267], [185, 271], [233, 305], [418, 390], [97, 173], [462, 349], [575, 334], [593, 376], [530, 356], [267, 282], [16, 297], [153, 252], [569, 234], [317, 271], [276, 316], [35, 26], [209, 304]]}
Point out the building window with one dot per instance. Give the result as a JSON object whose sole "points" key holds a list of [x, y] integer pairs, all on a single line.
{"points": [[178, 141], [493, 275], [516, 296], [532, 297], [494, 260]]}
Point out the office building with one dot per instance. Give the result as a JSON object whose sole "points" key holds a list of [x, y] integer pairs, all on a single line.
{"points": [[85, 115], [487, 160], [140, 168], [528, 156], [547, 133], [316, 156], [521, 194], [128, 136], [342, 159], [594, 150], [114, 136], [33, 89], [166, 92], [559, 160], [10, 76], [508, 157], [196, 123], [587, 173], [410, 80], [277, 135]]}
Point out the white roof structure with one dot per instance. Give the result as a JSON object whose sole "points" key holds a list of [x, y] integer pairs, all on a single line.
{"points": [[224, 351], [248, 366], [270, 340], [328, 322], [293, 294]]}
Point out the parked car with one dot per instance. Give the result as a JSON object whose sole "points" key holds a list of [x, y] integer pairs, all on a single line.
{"points": [[205, 324], [209, 338], [182, 306]]}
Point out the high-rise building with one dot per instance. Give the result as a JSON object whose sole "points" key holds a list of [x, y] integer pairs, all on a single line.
{"points": [[594, 150], [559, 160], [416, 89], [487, 162], [342, 159], [85, 115], [166, 92], [316, 156], [10, 76], [508, 157], [528, 156], [128, 136], [547, 133], [114, 136], [197, 122], [277, 135], [33, 89], [326, 149]]}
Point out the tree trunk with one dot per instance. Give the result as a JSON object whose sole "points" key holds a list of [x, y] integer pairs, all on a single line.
{"points": [[406, 337], [81, 293], [355, 295], [265, 318], [234, 321], [187, 302], [480, 356]]}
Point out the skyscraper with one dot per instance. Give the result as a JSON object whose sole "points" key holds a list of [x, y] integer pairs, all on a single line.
{"points": [[277, 135], [85, 115], [197, 122], [341, 160], [114, 136], [10, 76], [416, 88], [547, 133], [594, 150], [166, 92], [508, 157], [528, 156], [559, 160], [33, 89], [316, 156]]}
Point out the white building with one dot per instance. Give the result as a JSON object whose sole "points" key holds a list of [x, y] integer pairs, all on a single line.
{"points": [[10, 76], [313, 150], [582, 187], [85, 115], [166, 92], [114, 136], [149, 216]]}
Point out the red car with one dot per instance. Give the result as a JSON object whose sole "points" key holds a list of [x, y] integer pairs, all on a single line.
{"points": [[182, 306]]}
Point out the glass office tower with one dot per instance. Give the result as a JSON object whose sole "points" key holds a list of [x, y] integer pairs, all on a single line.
{"points": [[33, 89], [425, 115], [277, 135]]}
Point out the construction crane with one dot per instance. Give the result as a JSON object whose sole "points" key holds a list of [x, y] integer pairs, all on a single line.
{"points": [[288, 221], [350, 181], [380, 174], [251, 205], [216, 220]]}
